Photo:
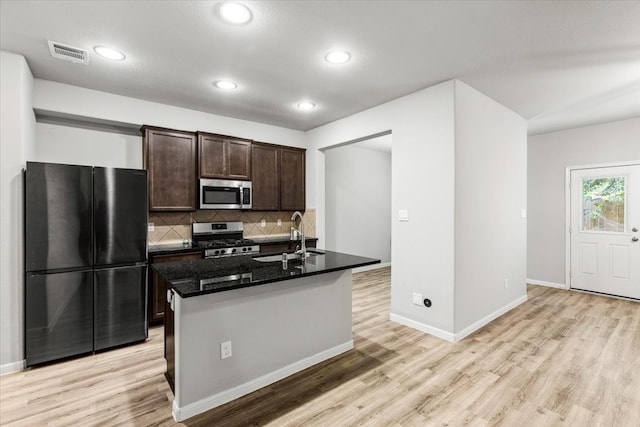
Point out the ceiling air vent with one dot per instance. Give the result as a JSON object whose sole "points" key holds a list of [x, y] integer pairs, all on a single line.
{"points": [[68, 53]]}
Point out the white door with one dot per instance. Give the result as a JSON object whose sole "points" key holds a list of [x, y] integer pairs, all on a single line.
{"points": [[605, 229]]}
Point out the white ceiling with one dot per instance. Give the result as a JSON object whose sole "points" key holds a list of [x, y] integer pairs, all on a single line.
{"points": [[559, 64]]}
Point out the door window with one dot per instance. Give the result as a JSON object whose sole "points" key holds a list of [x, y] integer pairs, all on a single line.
{"points": [[603, 204]]}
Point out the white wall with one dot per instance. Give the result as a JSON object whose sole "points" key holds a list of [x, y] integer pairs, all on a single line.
{"points": [[81, 146], [358, 201], [491, 234], [549, 155], [422, 125], [441, 135], [53, 99], [16, 143]]}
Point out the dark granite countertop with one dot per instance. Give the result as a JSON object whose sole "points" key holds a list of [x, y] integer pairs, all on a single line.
{"points": [[205, 276], [176, 248]]}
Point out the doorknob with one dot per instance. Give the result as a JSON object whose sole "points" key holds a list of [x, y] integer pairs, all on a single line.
{"points": [[634, 229], [634, 239]]}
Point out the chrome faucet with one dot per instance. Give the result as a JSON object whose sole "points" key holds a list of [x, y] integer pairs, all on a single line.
{"points": [[300, 229]]}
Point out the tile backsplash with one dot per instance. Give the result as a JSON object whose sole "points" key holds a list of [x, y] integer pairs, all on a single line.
{"points": [[175, 227]]}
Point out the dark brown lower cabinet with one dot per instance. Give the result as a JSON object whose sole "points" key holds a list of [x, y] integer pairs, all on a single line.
{"points": [[157, 289]]}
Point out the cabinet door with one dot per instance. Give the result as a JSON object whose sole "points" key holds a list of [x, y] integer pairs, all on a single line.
{"points": [[292, 179], [212, 156], [224, 157], [158, 291], [238, 159], [266, 177], [170, 159]]}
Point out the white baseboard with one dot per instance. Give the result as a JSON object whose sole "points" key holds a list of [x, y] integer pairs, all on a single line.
{"points": [[422, 327], [489, 318], [371, 267], [466, 331], [548, 284], [188, 411], [12, 367]]}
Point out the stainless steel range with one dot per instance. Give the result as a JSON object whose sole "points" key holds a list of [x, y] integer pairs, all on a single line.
{"points": [[220, 239]]}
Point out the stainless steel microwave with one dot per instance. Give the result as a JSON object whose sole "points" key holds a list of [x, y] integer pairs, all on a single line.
{"points": [[225, 194]]}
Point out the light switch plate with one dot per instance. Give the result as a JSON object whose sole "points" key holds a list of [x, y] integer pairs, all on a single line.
{"points": [[279, 222], [523, 213], [403, 215], [152, 227], [263, 223]]}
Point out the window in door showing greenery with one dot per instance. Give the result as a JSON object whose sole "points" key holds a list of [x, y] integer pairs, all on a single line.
{"points": [[603, 204]]}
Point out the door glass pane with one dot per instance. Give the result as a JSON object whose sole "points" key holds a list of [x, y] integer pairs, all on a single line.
{"points": [[603, 202]]}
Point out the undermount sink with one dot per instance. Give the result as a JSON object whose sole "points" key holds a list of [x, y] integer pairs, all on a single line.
{"points": [[290, 256]]}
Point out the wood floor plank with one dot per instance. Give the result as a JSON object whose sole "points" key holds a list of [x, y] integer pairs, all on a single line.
{"points": [[560, 359]]}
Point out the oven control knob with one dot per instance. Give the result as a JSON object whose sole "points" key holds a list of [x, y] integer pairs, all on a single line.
{"points": [[233, 251], [217, 252], [244, 249]]}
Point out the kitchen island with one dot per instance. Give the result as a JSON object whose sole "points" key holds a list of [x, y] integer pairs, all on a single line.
{"points": [[268, 319]]}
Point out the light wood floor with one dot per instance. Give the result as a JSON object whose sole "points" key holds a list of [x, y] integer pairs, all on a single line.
{"points": [[560, 359]]}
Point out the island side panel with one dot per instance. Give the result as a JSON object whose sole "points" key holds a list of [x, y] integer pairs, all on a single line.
{"points": [[275, 330], [169, 338]]}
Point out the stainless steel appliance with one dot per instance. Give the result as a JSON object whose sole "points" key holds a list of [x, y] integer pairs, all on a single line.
{"points": [[224, 194], [85, 259], [220, 239]]}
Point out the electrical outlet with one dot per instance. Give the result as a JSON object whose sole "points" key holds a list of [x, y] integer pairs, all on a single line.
{"points": [[263, 223], [152, 227], [417, 298], [225, 350], [279, 222], [403, 215]]}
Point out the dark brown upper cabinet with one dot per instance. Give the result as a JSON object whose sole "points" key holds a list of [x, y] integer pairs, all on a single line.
{"points": [[292, 179], [224, 157], [169, 156], [278, 178], [265, 165]]}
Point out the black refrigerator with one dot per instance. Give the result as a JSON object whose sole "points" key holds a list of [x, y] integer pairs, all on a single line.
{"points": [[85, 259]]}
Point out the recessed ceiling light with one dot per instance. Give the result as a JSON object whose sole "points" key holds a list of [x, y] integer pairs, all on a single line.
{"points": [[306, 106], [225, 84], [235, 13], [107, 52], [338, 57]]}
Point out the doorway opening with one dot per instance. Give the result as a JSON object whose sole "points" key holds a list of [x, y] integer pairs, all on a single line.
{"points": [[358, 197]]}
